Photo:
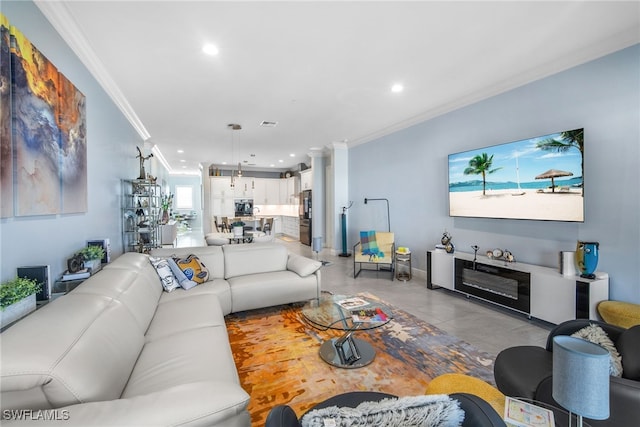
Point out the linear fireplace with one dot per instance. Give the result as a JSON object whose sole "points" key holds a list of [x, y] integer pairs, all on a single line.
{"points": [[502, 286]]}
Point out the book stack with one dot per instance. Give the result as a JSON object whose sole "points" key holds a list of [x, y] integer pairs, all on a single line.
{"points": [[78, 275], [369, 316]]}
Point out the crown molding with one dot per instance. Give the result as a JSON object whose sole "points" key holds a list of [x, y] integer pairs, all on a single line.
{"points": [[63, 22]]}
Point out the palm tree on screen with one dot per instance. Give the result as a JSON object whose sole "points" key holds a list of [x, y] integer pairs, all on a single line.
{"points": [[481, 165], [567, 140]]}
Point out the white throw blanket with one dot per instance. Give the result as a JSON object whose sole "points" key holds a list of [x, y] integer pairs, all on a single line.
{"points": [[429, 410]]}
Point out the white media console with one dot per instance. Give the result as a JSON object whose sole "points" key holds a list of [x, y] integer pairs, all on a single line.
{"points": [[539, 292]]}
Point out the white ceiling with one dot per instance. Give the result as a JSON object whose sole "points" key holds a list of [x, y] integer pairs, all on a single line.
{"points": [[321, 69]]}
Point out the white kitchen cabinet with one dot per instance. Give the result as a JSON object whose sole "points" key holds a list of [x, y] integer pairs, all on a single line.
{"points": [[290, 191], [277, 225], [272, 188], [260, 191], [243, 187], [221, 186], [221, 197], [291, 226], [266, 191], [441, 271], [306, 180]]}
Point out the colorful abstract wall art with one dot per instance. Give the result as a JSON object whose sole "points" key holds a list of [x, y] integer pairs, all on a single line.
{"points": [[6, 163], [46, 158]]}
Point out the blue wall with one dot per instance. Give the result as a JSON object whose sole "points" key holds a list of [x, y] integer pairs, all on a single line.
{"points": [[111, 146], [409, 168]]}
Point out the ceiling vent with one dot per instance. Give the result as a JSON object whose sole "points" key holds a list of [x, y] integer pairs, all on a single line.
{"points": [[268, 124]]}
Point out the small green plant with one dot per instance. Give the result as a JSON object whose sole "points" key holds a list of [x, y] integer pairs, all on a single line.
{"points": [[16, 290], [238, 224], [91, 252]]}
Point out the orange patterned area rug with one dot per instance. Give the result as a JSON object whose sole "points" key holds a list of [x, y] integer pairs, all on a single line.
{"points": [[276, 354]]}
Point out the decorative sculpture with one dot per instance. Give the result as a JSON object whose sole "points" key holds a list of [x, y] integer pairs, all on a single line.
{"points": [[142, 158]]}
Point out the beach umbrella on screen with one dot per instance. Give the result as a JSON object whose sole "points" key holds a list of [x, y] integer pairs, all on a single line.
{"points": [[553, 173]]}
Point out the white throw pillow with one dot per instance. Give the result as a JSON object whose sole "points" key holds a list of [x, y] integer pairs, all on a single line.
{"points": [[167, 278], [436, 410], [597, 335]]}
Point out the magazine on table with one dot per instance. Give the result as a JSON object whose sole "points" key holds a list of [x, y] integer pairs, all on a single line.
{"points": [[351, 303], [523, 414], [369, 316]]}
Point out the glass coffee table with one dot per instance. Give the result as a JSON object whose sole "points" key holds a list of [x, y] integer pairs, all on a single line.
{"points": [[348, 314]]}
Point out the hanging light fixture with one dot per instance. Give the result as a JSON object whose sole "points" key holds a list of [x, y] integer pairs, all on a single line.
{"points": [[232, 127]]}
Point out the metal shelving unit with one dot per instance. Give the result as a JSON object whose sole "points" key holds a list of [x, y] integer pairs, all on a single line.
{"points": [[141, 215]]}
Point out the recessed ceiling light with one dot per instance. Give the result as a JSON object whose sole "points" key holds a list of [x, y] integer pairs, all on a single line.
{"points": [[180, 151], [210, 49], [183, 160], [292, 155], [280, 161], [272, 165], [397, 87], [224, 163]]}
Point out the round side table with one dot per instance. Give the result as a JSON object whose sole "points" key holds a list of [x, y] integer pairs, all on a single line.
{"points": [[403, 265]]}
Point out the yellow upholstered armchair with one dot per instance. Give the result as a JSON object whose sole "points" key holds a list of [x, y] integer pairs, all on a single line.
{"points": [[376, 248]]}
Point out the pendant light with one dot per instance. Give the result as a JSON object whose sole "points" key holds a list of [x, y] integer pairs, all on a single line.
{"points": [[232, 127]]}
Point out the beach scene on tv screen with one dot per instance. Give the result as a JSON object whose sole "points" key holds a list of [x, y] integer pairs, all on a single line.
{"points": [[538, 178]]}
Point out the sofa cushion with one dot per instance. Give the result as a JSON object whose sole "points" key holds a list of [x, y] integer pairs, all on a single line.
{"points": [[138, 292], [596, 335], [192, 356], [628, 345], [218, 287], [80, 348], [241, 260], [167, 278], [268, 289], [184, 314], [302, 266]]}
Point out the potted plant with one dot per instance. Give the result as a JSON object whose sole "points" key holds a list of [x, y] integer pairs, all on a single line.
{"points": [[165, 204], [17, 299], [238, 228], [92, 257]]}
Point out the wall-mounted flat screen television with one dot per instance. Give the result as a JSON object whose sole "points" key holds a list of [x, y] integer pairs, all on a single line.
{"points": [[538, 178]]}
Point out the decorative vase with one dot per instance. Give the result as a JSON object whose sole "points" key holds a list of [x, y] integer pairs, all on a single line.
{"points": [[18, 310], [238, 231], [165, 216], [587, 258]]}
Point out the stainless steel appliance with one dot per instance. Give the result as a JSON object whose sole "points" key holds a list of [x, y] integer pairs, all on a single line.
{"points": [[244, 207], [305, 217]]}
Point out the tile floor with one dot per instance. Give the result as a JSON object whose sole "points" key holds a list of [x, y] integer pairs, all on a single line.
{"points": [[483, 325]]}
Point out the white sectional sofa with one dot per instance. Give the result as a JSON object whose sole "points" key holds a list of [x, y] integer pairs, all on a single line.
{"points": [[119, 351]]}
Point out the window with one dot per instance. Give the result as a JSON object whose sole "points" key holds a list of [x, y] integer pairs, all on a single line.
{"points": [[184, 197]]}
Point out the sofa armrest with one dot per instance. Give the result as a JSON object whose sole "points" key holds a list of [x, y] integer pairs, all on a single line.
{"points": [[477, 412], [624, 401], [302, 266], [193, 404]]}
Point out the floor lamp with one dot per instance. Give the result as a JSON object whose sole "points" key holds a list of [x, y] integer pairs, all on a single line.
{"points": [[366, 200], [581, 378]]}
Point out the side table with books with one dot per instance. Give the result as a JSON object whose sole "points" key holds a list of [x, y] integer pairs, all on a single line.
{"points": [[69, 281]]}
